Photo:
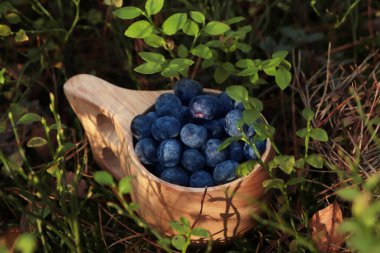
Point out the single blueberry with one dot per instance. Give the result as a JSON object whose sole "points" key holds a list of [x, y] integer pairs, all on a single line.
{"points": [[141, 124], [193, 136], [165, 127], [186, 89], [184, 116], [227, 102], [200, 179], [236, 151], [146, 150], [168, 104], [169, 152], [175, 175], [214, 129], [230, 123], [213, 156], [192, 160], [250, 131], [249, 152], [238, 106], [225, 172], [206, 107]]}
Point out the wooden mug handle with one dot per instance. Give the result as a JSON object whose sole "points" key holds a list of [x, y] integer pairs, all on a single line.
{"points": [[106, 112]]}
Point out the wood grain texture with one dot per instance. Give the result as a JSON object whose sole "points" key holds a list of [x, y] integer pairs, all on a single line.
{"points": [[106, 112]]}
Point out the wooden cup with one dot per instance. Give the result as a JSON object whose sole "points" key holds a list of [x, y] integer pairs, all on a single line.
{"points": [[106, 112]]}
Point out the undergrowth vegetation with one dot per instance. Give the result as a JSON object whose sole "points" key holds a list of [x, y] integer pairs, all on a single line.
{"points": [[310, 67]]}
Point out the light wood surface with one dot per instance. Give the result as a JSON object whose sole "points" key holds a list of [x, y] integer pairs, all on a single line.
{"points": [[106, 112]]}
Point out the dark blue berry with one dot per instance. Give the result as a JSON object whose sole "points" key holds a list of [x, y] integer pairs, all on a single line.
{"points": [[249, 152], [238, 106], [225, 172], [193, 136], [169, 152], [200, 179], [186, 89], [184, 116], [231, 122], [175, 175], [227, 102], [214, 129], [141, 124], [206, 107], [192, 160], [213, 156], [168, 104], [146, 150], [165, 127], [236, 151]]}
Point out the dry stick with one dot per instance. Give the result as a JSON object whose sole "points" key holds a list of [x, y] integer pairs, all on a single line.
{"points": [[328, 75], [101, 228], [196, 68], [335, 109]]}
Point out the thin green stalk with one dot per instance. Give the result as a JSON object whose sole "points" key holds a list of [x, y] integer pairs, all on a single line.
{"points": [[75, 21]]}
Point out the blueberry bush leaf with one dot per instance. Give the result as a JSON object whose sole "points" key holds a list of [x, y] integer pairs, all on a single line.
{"points": [[174, 23], [129, 12], [153, 6], [216, 28], [139, 30]]}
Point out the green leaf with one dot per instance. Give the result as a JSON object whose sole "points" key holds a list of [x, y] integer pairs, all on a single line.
{"points": [[179, 242], [182, 51], [245, 48], [255, 103], [276, 183], [185, 221], [21, 36], [319, 134], [155, 41], [5, 30], [216, 28], [302, 133], [315, 160], [245, 63], [228, 66], [36, 142], [263, 130], [201, 232], [153, 6], [2, 78], [125, 186], [28, 118], [170, 71], [180, 227], [280, 54], [202, 51], [197, 17], [296, 180], [227, 142], [251, 70], [129, 12], [220, 75], [237, 92], [182, 63], [299, 163], [116, 3], [250, 116], [234, 20], [283, 78], [103, 178], [271, 71], [208, 63], [348, 194], [190, 28], [308, 114], [174, 23], [285, 163], [148, 68], [245, 168], [26, 243], [214, 43], [139, 30], [67, 146], [152, 57]]}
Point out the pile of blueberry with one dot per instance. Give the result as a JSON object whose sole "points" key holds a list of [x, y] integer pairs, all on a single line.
{"points": [[179, 140]]}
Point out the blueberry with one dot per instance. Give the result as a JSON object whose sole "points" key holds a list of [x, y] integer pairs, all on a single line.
{"points": [[230, 123], [225, 172], [206, 107], [186, 89], [193, 136], [238, 106], [227, 102], [165, 127], [184, 115], [201, 179], [146, 150], [169, 152], [175, 175], [168, 104], [213, 156], [250, 131], [249, 152], [236, 151], [214, 129], [141, 124], [192, 160]]}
